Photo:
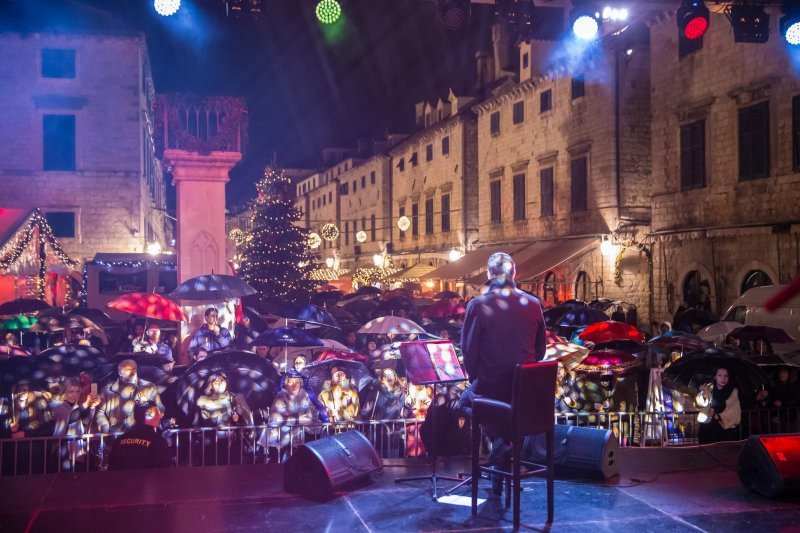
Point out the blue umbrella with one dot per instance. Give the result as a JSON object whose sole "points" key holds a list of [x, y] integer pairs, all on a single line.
{"points": [[212, 288], [285, 337], [581, 317]]}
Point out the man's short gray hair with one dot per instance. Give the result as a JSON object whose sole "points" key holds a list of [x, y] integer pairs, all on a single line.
{"points": [[501, 264]]}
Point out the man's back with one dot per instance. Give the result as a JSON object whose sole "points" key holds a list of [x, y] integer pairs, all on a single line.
{"points": [[141, 446], [502, 328]]}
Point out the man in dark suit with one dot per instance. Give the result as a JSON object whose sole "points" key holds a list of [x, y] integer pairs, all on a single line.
{"points": [[502, 327]]}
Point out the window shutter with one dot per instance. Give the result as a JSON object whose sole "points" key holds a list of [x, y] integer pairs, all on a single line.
{"points": [[796, 132], [546, 178], [578, 193]]}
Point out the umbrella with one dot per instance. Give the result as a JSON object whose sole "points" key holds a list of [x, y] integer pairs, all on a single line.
{"points": [[285, 337], [614, 362], [336, 345], [330, 287], [679, 341], [601, 303], [790, 359], [35, 370], [319, 372], [22, 306], [13, 351], [405, 293], [150, 306], [446, 295], [422, 301], [625, 345], [772, 335], [391, 325], [95, 315], [580, 317], [609, 330], [361, 306], [74, 358], [310, 314], [17, 323], [347, 298], [212, 288], [443, 309], [148, 368], [60, 322], [434, 328], [249, 375], [568, 354], [327, 296], [368, 289], [718, 331], [694, 316], [697, 368]]}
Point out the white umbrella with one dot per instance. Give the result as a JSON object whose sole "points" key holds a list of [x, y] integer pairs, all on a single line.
{"points": [[336, 345], [717, 332], [387, 325]]}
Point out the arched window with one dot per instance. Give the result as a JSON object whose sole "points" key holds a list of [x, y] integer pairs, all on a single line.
{"points": [[583, 287], [755, 278], [183, 116], [192, 125], [697, 291], [202, 124], [212, 124], [549, 289]]}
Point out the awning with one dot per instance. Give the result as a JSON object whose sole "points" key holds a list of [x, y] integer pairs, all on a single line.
{"points": [[552, 254], [472, 262], [413, 273], [327, 274]]}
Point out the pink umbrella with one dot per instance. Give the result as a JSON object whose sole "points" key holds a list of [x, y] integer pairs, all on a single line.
{"points": [[443, 309]]}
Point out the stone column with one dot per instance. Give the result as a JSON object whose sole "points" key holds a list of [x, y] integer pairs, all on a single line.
{"points": [[200, 182]]}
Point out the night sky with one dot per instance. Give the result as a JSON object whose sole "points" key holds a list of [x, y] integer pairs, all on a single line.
{"points": [[307, 87]]}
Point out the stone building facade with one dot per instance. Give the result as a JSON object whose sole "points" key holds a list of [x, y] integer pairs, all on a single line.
{"points": [[77, 141], [726, 165]]}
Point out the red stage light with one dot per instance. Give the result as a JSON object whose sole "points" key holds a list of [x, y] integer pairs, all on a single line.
{"points": [[695, 28], [693, 19]]}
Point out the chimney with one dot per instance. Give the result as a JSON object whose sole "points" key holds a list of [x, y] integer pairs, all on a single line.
{"points": [[501, 42], [485, 64]]}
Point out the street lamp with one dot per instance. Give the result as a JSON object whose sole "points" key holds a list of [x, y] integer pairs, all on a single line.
{"points": [[153, 248], [608, 248]]}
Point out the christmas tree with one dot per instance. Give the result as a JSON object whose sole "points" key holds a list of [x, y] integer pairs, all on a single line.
{"points": [[274, 256]]}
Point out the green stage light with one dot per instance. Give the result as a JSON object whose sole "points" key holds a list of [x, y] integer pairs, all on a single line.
{"points": [[328, 11]]}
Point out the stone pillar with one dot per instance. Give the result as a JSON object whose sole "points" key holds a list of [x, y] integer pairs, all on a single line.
{"points": [[200, 182]]}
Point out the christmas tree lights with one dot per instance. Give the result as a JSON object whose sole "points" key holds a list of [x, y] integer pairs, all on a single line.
{"points": [[274, 257]]}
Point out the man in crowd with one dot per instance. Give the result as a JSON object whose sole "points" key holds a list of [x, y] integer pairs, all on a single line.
{"points": [[115, 412], [210, 336], [153, 345], [29, 414], [142, 446]]}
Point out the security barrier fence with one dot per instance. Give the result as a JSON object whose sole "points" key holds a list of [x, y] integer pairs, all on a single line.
{"points": [[393, 439]]}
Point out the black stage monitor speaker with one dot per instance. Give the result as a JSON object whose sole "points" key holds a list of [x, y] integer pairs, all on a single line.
{"points": [[770, 464], [581, 448], [318, 468]]}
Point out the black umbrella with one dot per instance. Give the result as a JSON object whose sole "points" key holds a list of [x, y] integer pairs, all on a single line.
{"points": [[601, 304], [284, 337], [247, 374], [211, 288], [74, 358], [61, 321], [298, 312], [686, 318], [361, 306], [678, 340], [444, 295], [771, 335], [34, 370], [697, 368], [95, 315], [319, 372], [21, 306], [368, 289], [773, 360], [581, 317], [149, 367]]}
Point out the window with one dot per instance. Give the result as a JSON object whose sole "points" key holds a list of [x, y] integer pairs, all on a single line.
{"points": [[364, 182], [346, 233], [737, 314], [402, 214], [58, 63], [579, 183], [446, 146], [546, 101], [324, 200], [578, 87], [355, 186], [62, 223], [754, 142], [429, 216], [697, 291], [494, 123], [549, 287], [414, 220], [122, 283], [755, 278], [518, 112], [693, 155], [494, 195], [372, 227], [546, 191], [59, 142], [344, 189], [372, 178], [525, 61], [445, 212], [583, 287], [414, 159], [167, 281], [363, 223], [429, 153], [687, 46], [401, 165], [519, 197]]}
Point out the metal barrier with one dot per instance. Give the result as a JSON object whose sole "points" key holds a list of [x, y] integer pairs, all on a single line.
{"points": [[393, 439]]}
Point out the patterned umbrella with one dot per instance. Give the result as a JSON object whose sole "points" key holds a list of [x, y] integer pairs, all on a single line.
{"points": [[611, 331], [320, 371], [614, 362], [212, 288], [74, 358], [149, 305], [580, 317], [568, 354], [60, 322], [387, 325]]}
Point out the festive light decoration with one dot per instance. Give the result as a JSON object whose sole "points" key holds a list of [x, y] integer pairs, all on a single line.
{"points": [[166, 8], [403, 223], [237, 236], [314, 241], [328, 11], [329, 232], [368, 276], [276, 260], [361, 236], [455, 255], [153, 248]]}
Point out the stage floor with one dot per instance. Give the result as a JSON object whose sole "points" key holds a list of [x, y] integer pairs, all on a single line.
{"points": [[679, 489]]}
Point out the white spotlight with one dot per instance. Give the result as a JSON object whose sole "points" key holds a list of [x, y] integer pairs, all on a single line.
{"points": [[165, 8]]}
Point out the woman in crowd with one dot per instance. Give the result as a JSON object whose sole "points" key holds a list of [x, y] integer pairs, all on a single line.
{"points": [[721, 412]]}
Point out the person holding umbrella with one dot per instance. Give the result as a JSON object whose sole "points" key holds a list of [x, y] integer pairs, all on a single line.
{"points": [[153, 345], [210, 336], [720, 411]]}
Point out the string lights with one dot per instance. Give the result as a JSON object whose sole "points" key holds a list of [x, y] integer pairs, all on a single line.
{"points": [[329, 232]]}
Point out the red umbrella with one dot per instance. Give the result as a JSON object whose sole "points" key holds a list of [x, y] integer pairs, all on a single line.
{"points": [[149, 305], [611, 331], [614, 362], [442, 309]]}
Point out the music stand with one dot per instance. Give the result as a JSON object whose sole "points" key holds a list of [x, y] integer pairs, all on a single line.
{"points": [[431, 363]]}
